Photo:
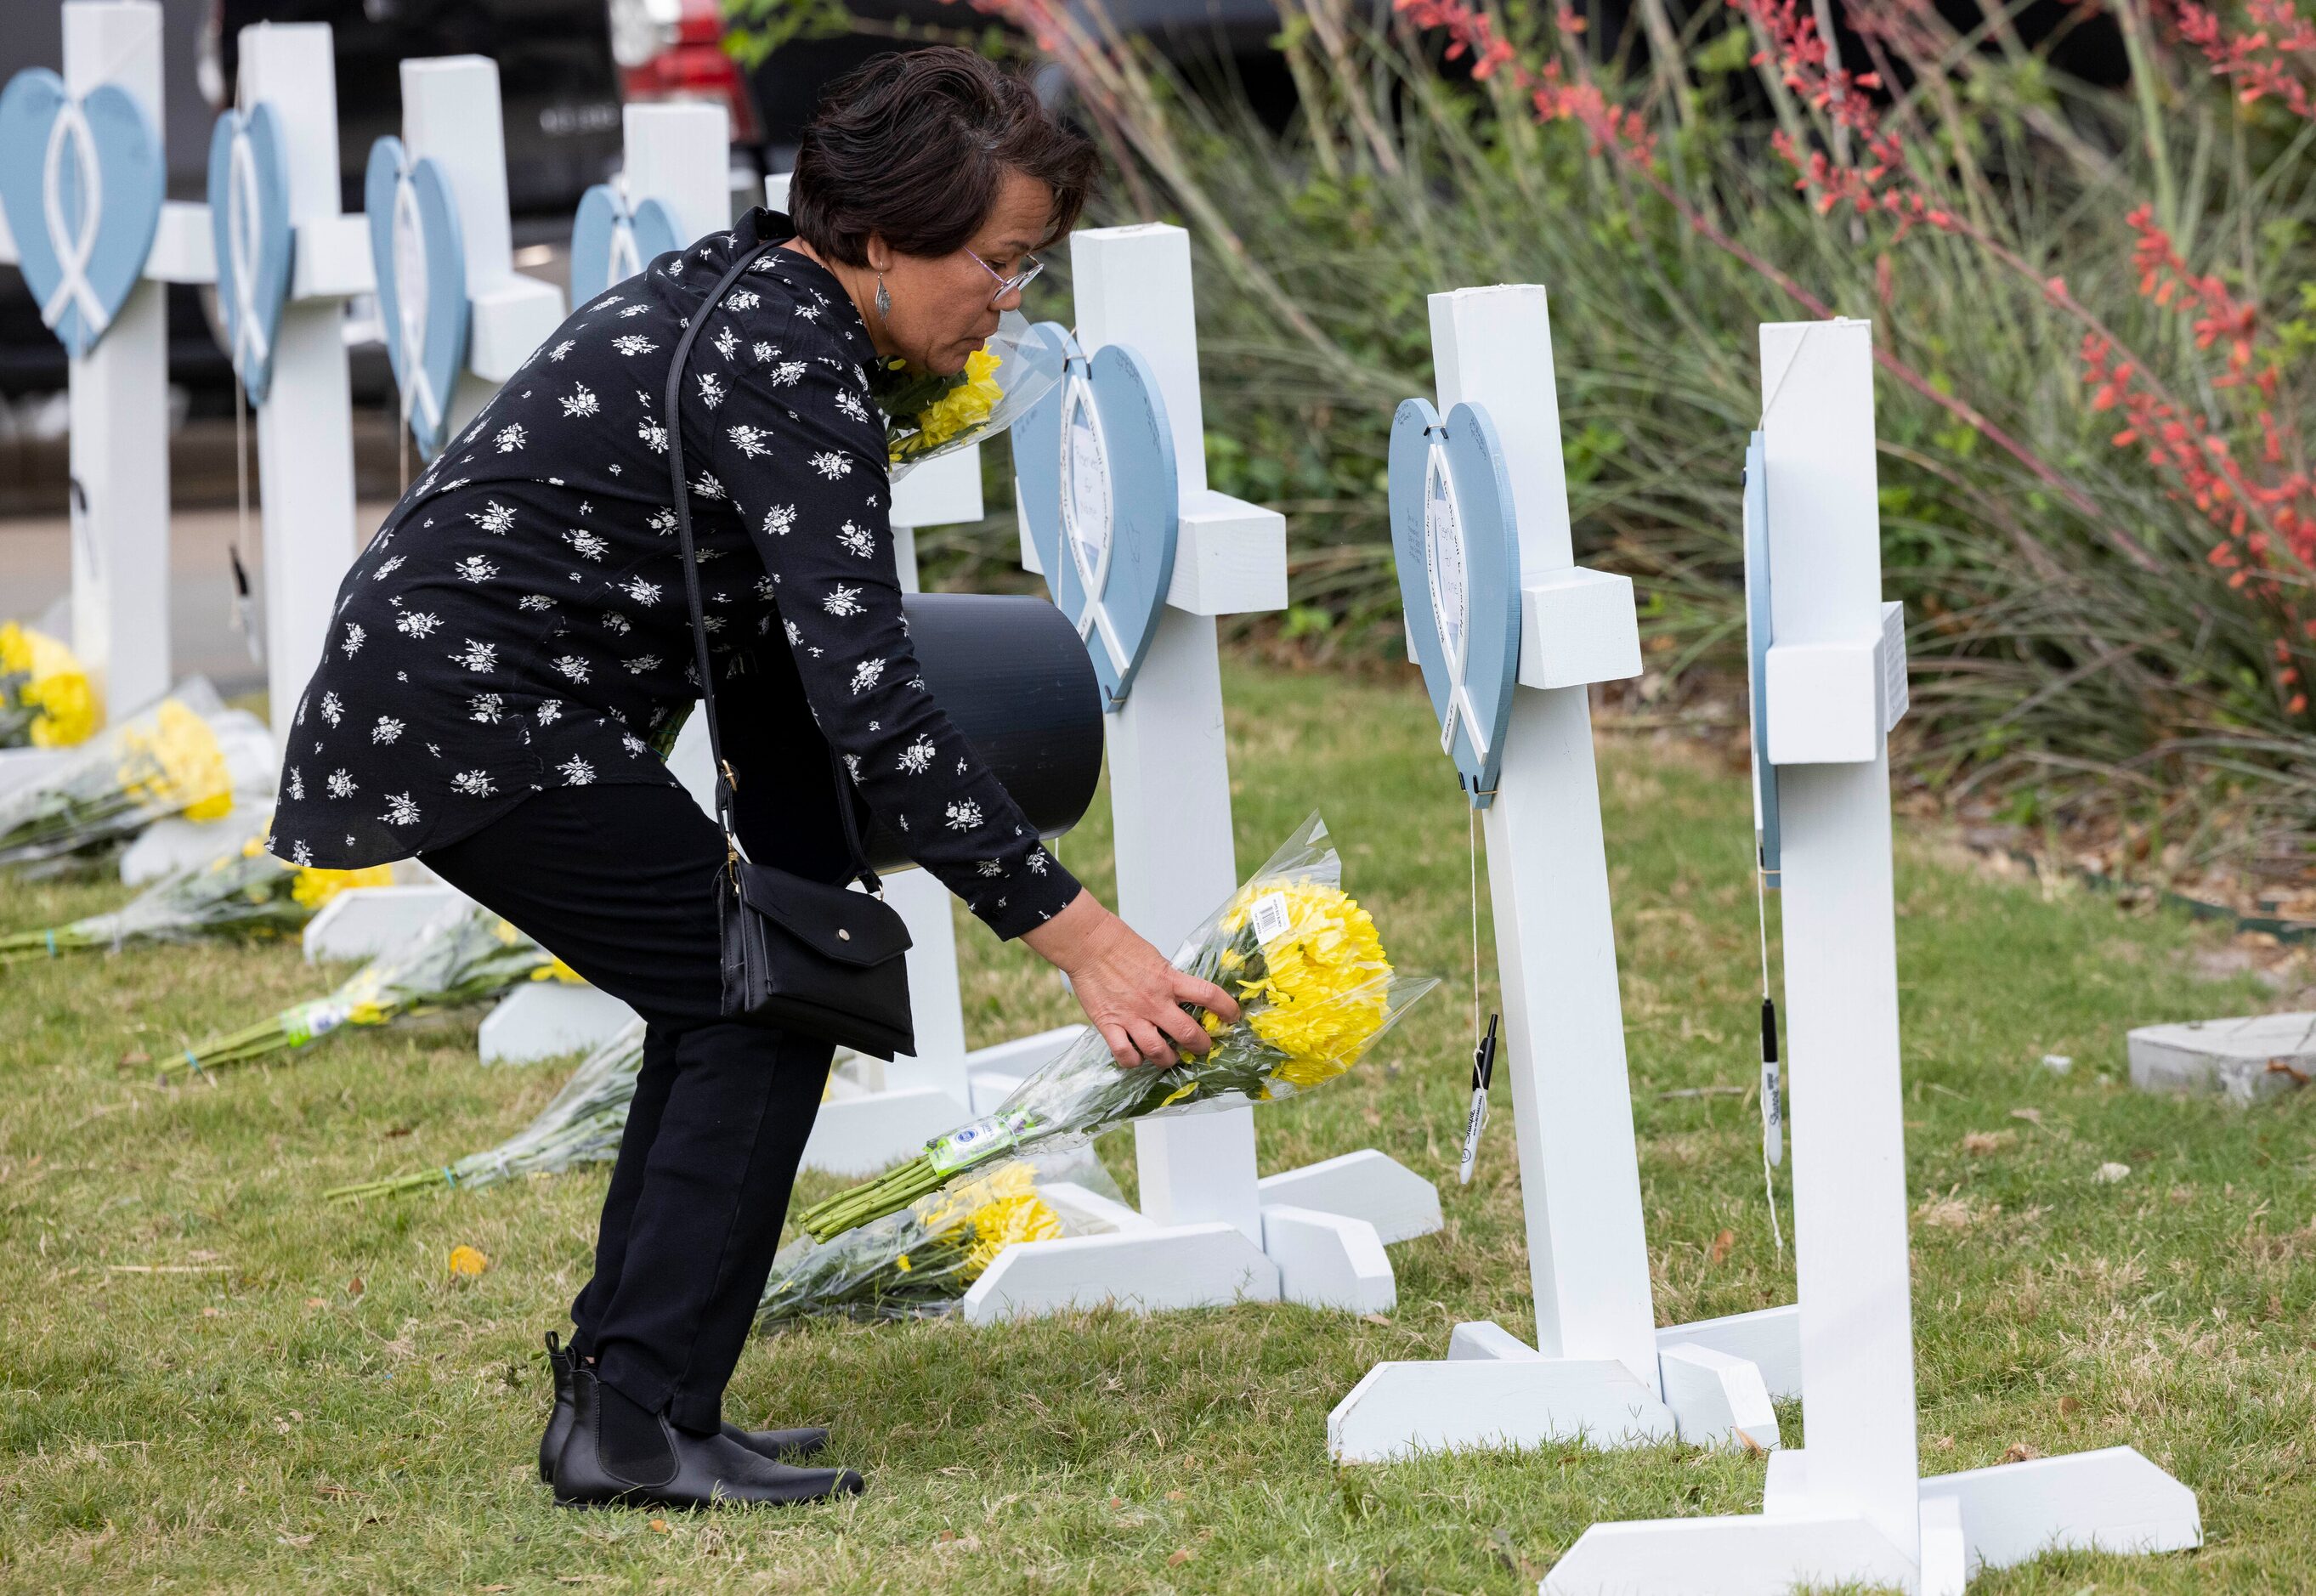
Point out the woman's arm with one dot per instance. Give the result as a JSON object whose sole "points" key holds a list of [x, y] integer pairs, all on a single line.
{"points": [[1129, 993], [801, 450], [793, 438]]}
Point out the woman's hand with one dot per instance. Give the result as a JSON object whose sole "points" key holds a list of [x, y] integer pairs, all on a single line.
{"points": [[1130, 992]]}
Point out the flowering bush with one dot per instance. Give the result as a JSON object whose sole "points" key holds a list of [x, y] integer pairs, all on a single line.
{"points": [[2092, 308]]}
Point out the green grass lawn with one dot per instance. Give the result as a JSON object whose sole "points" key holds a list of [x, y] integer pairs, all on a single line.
{"points": [[213, 1380]]}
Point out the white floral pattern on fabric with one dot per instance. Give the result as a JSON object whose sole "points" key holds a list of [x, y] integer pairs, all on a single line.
{"points": [[518, 622]]}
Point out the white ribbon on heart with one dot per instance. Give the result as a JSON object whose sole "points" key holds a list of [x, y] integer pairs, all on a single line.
{"points": [[1093, 574], [623, 263], [418, 395], [242, 214], [72, 248], [1460, 707]]}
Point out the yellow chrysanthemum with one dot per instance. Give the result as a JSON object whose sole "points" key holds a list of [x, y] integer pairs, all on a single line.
{"points": [[468, 1261], [998, 1225], [178, 765], [555, 969], [53, 685], [998, 1209], [965, 406], [314, 888], [1325, 988]]}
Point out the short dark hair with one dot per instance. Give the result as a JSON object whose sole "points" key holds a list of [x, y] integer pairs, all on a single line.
{"points": [[914, 144]]}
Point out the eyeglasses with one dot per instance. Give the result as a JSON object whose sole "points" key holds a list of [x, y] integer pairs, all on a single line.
{"points": [[1030, 266]]}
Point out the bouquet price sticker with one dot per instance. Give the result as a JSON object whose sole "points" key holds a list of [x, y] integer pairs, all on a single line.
{"points": [[1271, 918], [983, 1139]]}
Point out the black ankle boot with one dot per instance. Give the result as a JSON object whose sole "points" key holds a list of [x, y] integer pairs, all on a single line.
{"points": [[684, 1470], [563, 1363]]}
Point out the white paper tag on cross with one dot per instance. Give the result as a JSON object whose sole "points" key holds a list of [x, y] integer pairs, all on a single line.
{"points": [[1269, 918]]}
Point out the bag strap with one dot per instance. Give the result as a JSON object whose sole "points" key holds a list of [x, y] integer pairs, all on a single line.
{"points": [[725, 780]]}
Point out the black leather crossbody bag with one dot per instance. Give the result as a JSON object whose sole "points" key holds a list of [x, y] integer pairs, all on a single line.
{"points": [[800, 955]]}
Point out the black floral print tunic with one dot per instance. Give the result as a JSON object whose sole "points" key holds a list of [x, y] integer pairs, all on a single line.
{"points": [[519, 622]]}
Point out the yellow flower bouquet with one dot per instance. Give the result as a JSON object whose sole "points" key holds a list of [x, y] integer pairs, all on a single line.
{"points": [[464, 954], [928, 415], [1315, 990], [247, 894], [188, 755], [923, 1258], [46, 700]]}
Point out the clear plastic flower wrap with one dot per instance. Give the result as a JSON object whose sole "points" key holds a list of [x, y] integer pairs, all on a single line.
{"points": [[921, 1259], [1315, 990], [581, 1124], [464, 955], [928, 415], [188, 755], [248, 893]]}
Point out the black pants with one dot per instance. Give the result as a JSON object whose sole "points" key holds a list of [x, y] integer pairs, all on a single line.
{"points": [[618, 881]]}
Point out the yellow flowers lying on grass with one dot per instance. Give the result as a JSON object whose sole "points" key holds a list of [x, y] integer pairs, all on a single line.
{"points": [[921, 1259], [467, 1262], [186, 755], [1315, 989], [464, 954], [46, 700], [176, 765], [250, 893]]}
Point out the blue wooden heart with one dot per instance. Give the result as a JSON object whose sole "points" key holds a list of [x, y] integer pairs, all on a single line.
{"points": [[1457, 545], [422, 284], [82, 182], [249, 222], [1759, 633], [611, 241], [1094, 460]]}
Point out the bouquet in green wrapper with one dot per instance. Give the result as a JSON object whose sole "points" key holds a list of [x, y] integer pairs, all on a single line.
{"points": [[1315, 990], [249, 893], [923, 1259], [582, 1124], [187, 755], [464, 954]]}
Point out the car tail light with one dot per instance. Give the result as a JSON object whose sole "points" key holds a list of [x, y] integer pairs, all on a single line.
{"points": [[673, 50]]}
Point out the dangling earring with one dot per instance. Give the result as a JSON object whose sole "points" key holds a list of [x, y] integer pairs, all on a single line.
{"points": [[884, 299]]}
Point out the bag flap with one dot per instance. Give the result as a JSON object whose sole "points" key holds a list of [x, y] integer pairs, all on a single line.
{"points": [[848, 926]]}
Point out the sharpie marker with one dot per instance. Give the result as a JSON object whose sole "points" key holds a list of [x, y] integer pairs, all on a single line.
{"points": [[1483, 1070]]}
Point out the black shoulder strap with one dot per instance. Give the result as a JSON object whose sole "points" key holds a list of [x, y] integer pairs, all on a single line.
{"points": [[725, 779]]}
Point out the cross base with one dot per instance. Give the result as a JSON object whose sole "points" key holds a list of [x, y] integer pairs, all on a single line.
{"points": [[549, 1019], [2111, 1501], [364, 922], [1307, 1255], [1495, 1391], [174, 843]]}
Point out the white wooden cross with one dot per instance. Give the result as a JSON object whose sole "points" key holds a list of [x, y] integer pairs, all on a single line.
{"points": [[1851, 1509], [1210, 1230], [677, 153], [118, 404], [305, 429], [1600, 1368], [450, 113]]}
